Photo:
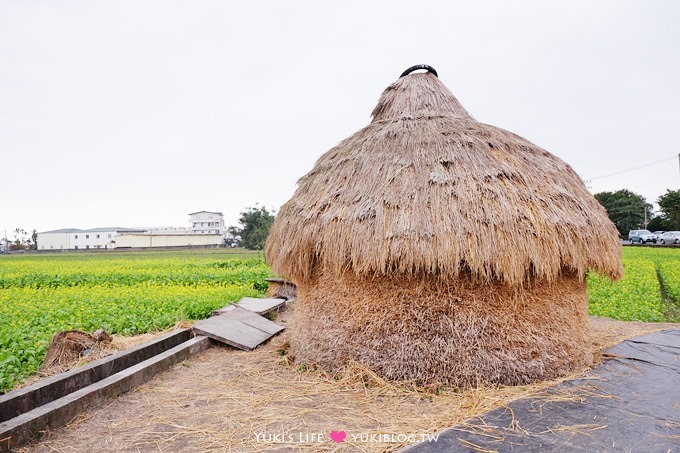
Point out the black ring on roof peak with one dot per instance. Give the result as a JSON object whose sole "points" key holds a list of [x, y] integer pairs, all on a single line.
{"points": [[427, 67]]}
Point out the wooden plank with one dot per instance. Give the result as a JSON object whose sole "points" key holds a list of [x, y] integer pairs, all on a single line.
{"points": [[223, 310], [234, 333], [256, 321], [261, 306], [256, 305], [239, 327], [278, 280]]}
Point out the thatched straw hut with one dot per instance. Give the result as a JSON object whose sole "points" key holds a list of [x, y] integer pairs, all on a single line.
{"points": [[430, 246]]}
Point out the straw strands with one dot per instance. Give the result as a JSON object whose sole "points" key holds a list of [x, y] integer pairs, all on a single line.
{"points": [[456, 332], [430, 246], [426, 189]]}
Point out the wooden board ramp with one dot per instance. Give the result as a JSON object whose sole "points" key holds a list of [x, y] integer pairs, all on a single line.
{"points": [[256, 305], [239, 327]]}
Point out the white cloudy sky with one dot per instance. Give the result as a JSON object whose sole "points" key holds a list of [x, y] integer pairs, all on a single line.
{"points": [[136, 113]]}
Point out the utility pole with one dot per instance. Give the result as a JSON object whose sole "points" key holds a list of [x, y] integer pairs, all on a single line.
{"points": [[645, 217]]}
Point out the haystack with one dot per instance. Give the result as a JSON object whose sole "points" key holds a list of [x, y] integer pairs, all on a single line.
{"points": [[68, 347], [433, 247]]}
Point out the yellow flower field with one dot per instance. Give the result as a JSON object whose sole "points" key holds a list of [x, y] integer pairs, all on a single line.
{"points": [[41, 295]]}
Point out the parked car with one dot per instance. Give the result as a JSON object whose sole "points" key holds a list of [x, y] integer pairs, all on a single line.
{"points": [[641, 236], [670, 237]]}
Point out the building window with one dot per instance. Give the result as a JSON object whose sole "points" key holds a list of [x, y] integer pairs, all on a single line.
{"points": [[97, 236], [76, 236], [87, 246], [109, 235], [87, 236], [76, 247]]}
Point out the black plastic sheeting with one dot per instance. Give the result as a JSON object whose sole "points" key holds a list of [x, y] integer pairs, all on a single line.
{"points": [[630, 403]]}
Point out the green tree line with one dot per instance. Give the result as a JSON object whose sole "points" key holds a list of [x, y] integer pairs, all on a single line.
{"points": [[254, 225], [629, 211]]}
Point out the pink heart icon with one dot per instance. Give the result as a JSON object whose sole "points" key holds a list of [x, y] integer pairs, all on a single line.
{"points": [[338, 436]]}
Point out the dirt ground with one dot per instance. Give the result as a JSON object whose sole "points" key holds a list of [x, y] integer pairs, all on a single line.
{"points": [[229, 400]]}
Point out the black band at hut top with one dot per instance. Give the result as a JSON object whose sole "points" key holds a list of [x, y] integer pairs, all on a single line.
{"points": [[426, 67]]}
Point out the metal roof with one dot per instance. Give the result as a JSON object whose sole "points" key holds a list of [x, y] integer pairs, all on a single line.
{"points": [[207, 212], [95, 230]]}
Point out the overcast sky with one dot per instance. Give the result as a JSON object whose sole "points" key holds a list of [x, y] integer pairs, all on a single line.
{"points": [[136, 113]]}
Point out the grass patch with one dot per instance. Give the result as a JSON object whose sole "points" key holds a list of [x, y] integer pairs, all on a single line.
{"points": [[637, 297], [649, 291]]}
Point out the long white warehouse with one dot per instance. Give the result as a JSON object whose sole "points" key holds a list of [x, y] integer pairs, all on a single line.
{"points": [[76, 239], [149, 239]]}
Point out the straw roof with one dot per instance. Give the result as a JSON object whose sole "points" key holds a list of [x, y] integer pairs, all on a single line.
{"points": [[427, 189]]}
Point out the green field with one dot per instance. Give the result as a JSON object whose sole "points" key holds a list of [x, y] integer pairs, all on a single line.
{"points": [[131, 293], [649, 291], [123, 293]]}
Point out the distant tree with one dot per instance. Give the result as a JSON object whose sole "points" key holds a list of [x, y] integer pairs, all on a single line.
{"points": [[254, 227], [625, 209], [20, 238], [669, 203], [22, 241], [17, 245], [659, 224]]}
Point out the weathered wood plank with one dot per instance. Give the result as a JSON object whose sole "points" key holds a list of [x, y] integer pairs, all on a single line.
{"points": [[256, 321], [238, 327], [256, 305], [261, 306], [223, 310], [277, 280]]}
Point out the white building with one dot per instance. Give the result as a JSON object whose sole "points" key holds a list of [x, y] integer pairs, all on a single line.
{"points": [[207, 228], [206, 222], [76, 239], [151, 239]]}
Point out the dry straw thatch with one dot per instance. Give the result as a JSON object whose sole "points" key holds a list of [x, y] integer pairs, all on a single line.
{"points": [[67, 347], [457, 332], [472, 224]]}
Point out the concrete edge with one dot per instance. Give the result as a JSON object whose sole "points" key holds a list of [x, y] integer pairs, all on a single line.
{"points": [[29, 425], [28, 398]]}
